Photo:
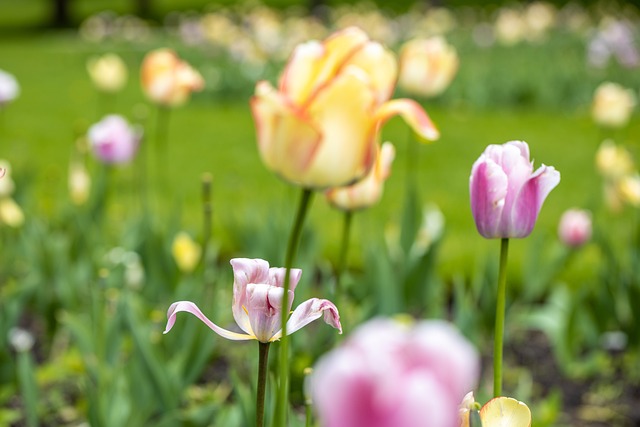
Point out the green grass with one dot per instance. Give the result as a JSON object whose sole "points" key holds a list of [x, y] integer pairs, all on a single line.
{"points": [[58, 103]]}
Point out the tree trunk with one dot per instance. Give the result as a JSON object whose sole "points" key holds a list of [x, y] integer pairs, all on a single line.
{"points": [[60, 14]]}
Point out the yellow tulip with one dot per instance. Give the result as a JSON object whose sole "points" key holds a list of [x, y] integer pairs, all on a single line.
{"points": [[167, 80], [186, 252], [498, 412], [612, 105], [319, 128], [108, 72]]}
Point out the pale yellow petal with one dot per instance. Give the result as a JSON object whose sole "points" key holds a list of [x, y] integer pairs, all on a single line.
{"points": [[381, 67], [505, 412], [413, 114]]}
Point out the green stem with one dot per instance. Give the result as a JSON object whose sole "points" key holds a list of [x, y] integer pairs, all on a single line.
{"points": [[162, 147], [263, 362], [292, 247], [207, 222], [344, 249], [500, 311]]}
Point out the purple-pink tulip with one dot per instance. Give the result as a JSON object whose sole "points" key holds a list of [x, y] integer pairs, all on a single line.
{"points": [[390, 374], [574, 228], [113, 140], [257, 303], [506, 193]]}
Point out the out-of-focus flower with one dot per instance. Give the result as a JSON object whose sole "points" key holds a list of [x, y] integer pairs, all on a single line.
{"points": [[21, 340], [506, 194], [614, 38], [9, 88], [186, 252], [368, 191], [108, 72], [79, 182], [167, 80], [6, 183], [390, 374], [539, 17], [613, 161], [430, 231], [257, 303], [510, 28], [498, 412], [427, 66], [574, 228], [133, 270], [113, 140], [10, 213], [629, 188], [612, 105], [320, 127]]}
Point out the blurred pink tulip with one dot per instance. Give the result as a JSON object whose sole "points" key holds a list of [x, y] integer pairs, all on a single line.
{"points": [[506, 194], [368, 191], [319, 128], [390, 374], [257, 304], [113, 141], [574, 228]]}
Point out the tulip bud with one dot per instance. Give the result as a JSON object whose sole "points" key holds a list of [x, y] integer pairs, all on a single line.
{"points": [[574, 228]]}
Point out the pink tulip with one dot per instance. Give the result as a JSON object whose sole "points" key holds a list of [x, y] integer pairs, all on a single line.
{"points": [[319, 128], [574, 228], [389, 374], [113, 141], [257, 304], [506, 194]]}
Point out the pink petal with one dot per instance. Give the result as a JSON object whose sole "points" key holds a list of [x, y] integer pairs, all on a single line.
{"points": [[246, 271], [264, 307], [488, 188], [276, 277], [309, 311], [190, 307], [412, 113], [530, 199]]}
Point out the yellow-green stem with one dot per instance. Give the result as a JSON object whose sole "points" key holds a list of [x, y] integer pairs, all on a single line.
{"points": [[263, 363], [500, 313], [283, 368], [344, 250]]}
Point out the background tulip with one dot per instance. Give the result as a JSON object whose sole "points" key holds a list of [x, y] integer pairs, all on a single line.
{"points": [[368, 190], [186, 252], [612, 105], [9, 88], [389, 374], [108, 72], [257, 304], [113, 141], [427, 66], [574, 228], [506, 194], [167, 80], [319, 128]]}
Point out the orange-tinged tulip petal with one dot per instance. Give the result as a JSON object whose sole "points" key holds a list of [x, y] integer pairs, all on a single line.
{"points": [[277, 125], [343, 110], [505, 412], [413, 114]]}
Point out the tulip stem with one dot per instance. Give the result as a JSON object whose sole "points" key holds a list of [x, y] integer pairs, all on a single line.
{"points": [[292, 247], [344, 249], [263, 363], [500, 313]]}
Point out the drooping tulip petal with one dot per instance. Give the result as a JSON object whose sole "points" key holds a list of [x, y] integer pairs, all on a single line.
{"points": [[189, 307], [412, 113], [277, 276], [505, 412], [309, 311]]}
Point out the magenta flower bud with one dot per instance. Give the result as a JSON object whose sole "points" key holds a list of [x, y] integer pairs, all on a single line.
{"points": [[574, 229], [113, 140], [506, 194]]}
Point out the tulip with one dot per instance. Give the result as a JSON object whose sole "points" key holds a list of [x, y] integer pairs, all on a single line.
{"points": [[9, 88], [612, 105], [613, 161], [427, 66], [629, 189], [186, 252], [79, 182], [257, 303], [108, 72], [319, 128], [113, 141], [368, 190], [506, 194], [167, 80], [390, 374], [7, 185], [10, 213], [574, 229], [498, 412]]}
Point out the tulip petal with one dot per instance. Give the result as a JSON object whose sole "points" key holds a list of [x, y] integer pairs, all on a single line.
{"points": [[264, 306], [381, 67], [276, 277], [309, 311], [529, 201], [413, 114], [277, 124], [190, 307], [505, 412], [245, 271], [343, 110], [488, 188]]}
